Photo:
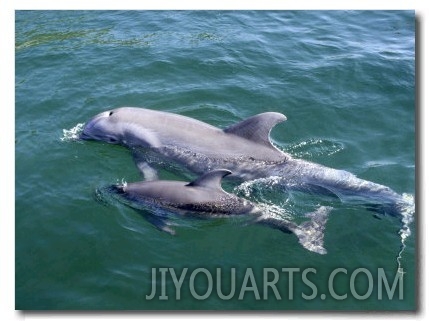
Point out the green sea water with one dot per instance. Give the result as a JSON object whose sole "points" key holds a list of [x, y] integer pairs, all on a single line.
{"points": [[344, 79]]}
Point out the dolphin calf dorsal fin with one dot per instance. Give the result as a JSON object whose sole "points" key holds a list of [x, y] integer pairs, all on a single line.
{"points": [[211, 179], [257, 128]]}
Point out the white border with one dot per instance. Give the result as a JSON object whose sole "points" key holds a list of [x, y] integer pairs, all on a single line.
{"points": [[7, 81]]}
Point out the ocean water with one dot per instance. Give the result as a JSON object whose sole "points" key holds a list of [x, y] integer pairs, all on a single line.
{"points": [[344, 79]]}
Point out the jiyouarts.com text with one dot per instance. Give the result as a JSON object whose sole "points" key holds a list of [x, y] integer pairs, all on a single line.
{"points": [[286, 283]]}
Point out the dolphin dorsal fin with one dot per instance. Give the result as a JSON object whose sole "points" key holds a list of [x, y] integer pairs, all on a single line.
{"points": [[257, 128], [211, 179]]}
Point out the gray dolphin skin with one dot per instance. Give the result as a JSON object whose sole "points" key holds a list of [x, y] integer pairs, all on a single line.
{"points": [[205, 198], [243, 148]]}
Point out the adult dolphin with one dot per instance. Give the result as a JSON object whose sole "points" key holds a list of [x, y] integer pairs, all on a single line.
{"points": [[205, 198], [243, 148]]}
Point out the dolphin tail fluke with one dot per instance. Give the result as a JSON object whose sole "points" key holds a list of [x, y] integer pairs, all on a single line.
{"points": [[310, 233], [400, 208]]}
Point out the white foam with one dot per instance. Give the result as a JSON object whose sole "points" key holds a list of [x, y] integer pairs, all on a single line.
{"points": [[314, 147], [407, 212], [251, 190], [73, 133], [247, 187], [274, 211]]}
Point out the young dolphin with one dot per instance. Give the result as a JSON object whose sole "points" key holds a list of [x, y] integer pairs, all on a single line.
{"points": [[205, 198], [243, 148]]}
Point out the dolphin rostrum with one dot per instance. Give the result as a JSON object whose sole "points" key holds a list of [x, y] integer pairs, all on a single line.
{"points": [[243, 148], [205, 198]]}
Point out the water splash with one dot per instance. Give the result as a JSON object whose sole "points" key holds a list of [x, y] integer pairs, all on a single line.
{"points": [[314, 147], [247, 188], [256, 190], [407, 210], [275, 211], [73, 133], [123, 183]]}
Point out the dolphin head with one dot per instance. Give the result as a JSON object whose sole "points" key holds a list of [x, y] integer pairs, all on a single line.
{"points": [[128, 126], [104, 127]]}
